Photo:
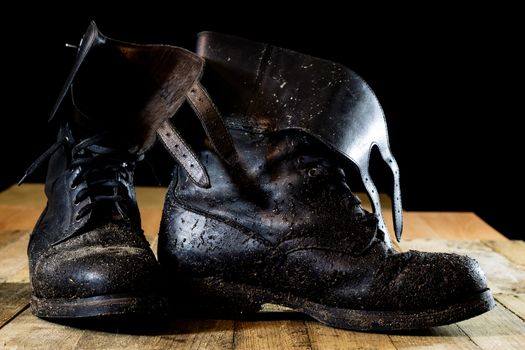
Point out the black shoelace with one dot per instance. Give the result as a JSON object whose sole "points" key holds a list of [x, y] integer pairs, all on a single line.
{"points": [[105, 170]]}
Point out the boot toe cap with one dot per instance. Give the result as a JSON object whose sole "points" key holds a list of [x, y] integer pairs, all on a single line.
{"points": [[426, 280], [93, 271]]}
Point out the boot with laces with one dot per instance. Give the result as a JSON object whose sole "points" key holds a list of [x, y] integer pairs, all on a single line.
{"points": [[88, 256], [282, 225]]}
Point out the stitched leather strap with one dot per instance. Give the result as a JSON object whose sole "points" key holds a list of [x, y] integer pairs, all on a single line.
{"points": [[215, 129], [213, 124], [167, 103], [183, 154]]}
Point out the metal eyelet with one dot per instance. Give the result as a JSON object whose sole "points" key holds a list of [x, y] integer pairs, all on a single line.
{"points": [[74, 175], [313, 172]]}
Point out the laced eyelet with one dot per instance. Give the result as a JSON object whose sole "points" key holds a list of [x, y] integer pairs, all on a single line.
{"points": [[78, 218], [313, 172], [74, 175]]}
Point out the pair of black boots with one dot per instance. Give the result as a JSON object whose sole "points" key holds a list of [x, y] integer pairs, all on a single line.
{"points": [[259, 209]]}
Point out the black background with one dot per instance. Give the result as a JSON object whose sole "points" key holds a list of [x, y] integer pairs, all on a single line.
{"points": [[449, 79]]}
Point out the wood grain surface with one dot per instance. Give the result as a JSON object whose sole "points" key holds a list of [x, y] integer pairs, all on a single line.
{"points": [[502, 260]]}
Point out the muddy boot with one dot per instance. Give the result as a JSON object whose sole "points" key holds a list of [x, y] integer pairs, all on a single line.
{"points": [[282, 226], [88, 256]]}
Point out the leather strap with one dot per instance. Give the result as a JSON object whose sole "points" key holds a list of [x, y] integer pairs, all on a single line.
{"points": [[213, 124], [215, 129], [195, 94], [183, 154]]}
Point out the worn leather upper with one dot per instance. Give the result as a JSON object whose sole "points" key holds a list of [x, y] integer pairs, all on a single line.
{"points": [[291, 224], [101, 251], [88, 241], [285, 218], [127, 88], [271, 87]]}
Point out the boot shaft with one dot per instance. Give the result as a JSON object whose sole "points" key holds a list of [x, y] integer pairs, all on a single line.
{"points": [[262, 88], [128, 90], [122, 93], [282, 226]]}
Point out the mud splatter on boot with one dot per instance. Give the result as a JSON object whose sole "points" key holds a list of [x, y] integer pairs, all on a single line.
{"points": [[283, 226], [88, 256]]}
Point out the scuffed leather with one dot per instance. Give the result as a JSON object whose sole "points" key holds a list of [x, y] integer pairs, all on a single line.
{"points": [[133, 90], [282, 89], [97, 255], [285, 219], [129, 88], [92, 244], [284, 191], [298, 229], [111, 259]]}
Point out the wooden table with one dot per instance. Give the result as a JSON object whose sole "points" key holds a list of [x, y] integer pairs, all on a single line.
{"points": [[503, 261]]}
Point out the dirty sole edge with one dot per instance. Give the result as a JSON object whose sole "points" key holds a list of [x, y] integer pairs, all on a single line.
{"points": [[112, 306], [219, 297]]}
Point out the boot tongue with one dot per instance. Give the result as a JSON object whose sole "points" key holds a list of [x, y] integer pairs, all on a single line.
{"points": [[107, 167]]}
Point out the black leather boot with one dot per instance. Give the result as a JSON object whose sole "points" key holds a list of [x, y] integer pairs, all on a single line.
{"points": [[282, 226], [88, 256]]}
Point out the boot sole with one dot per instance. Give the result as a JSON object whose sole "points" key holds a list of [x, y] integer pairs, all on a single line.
{"points": [[116, 306], [218, 297]]}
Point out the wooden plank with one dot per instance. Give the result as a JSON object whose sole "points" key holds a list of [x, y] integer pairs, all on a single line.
{"points": [[197, 334], [502, 262], [151, 203], [512, 250], [503, 275], [10, 236], [272, 334], [323, 337], [151, 197], [190, 334], [28, 195], [13, 258], [29, 332], [448, 225], [14, 298], [18, 217], [446, 337], [514, 302], [497, 329], [150, 218]]}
